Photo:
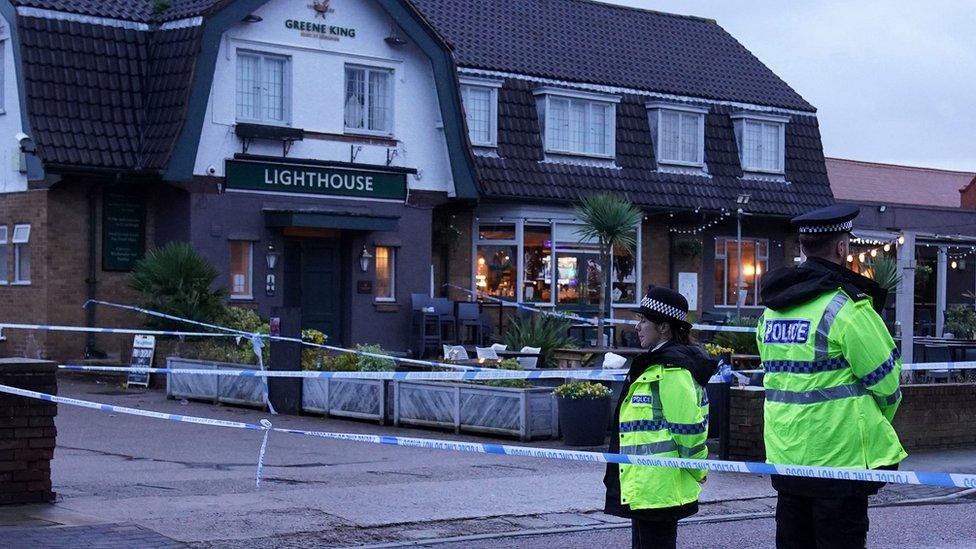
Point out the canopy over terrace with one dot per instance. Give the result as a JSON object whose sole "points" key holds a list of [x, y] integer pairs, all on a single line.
{"points": [[951, 252]]}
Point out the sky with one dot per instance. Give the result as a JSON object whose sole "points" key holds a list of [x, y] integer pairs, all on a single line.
{"points": [[893, 80]]}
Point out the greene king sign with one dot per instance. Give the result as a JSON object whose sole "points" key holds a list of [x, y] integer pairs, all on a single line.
{"points": [[295, 178]]}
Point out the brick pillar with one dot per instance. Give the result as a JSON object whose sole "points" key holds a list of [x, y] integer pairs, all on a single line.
{"points": [[746, 424], [27, 431]]}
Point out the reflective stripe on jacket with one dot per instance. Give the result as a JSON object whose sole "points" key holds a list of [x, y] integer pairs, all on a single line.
{"points": [[832, 384], [664, 414]]}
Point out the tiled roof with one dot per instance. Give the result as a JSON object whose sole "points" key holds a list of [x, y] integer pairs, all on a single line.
{"points": [[142, 11], [518, 170], [873, 182], [587, 41], [105, 96]]}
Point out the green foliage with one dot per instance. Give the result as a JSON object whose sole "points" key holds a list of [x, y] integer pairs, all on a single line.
{"points": [[374, 364], [578, 390], [742, 342], [884, 271], [609, 219], [318, 360], [507, 364], [544, 331], [960, 321], [176, 280]]}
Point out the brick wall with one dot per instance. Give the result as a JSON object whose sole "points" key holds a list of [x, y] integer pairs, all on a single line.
{"points": [[25, 303], [656, 255], [930, 416], [27, 432]]}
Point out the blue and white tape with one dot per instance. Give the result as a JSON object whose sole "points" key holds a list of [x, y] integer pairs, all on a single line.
{"points": [[480, 375], [952, 480], [86, 329]]}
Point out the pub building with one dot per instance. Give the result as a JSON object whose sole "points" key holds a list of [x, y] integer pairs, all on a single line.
{"points": [[669, 111], [300, 146]]}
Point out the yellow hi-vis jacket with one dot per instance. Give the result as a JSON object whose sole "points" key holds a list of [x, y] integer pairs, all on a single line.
{"points": [[832, 384]]}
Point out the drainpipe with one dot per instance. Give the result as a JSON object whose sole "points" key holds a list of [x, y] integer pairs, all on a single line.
{"points": [[92, 271]]}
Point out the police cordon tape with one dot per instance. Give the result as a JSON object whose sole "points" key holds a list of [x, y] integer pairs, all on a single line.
{"points": [[950, 480], [568, 316]]}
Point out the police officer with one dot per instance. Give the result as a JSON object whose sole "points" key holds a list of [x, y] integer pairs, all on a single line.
{"points": [[663, 411], [832, 384]]}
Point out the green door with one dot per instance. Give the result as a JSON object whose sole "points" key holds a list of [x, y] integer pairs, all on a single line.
{"points": [[318, 276]]}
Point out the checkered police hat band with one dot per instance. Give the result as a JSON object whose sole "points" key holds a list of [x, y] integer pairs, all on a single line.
{"points": [[836, 228], [665, 309]]}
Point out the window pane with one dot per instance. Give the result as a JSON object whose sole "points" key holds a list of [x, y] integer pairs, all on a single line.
{"points": [[537, 262], [770, 147], [577, 126], [670, 122], [496, 232], [3, 261], [598, 129], [720, 279], [240, 268], [752, 154], [379, 101], [495, 272], [477, 108], [557, 126], [274, 85], [355, 97], [248, 86], [624, 277], [385, 271], [22, 258], [753, 268], [689, 137]]}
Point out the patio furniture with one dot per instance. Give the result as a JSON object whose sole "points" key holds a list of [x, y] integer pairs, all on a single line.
{"points": [[455, 352], [529, 361], [469, 323], [444, 309], [486, 352], [579, 332], [425, 326], [937, 353]]}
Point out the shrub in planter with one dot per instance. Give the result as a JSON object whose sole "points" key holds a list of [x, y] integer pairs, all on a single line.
{"points": [[960, 321], [177, 280], [544, 331], [740, 342], [507, 364], [584, 412]]}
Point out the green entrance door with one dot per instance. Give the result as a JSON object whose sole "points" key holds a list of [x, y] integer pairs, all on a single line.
{"points": [[313, 267]]}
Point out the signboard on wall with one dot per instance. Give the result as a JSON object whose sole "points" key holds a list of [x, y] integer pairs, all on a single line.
{"points": [[123, 230], [688, 287], [298, 178]]}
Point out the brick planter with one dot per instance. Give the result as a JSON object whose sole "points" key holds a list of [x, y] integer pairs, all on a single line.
{"points": [[27, 432]]}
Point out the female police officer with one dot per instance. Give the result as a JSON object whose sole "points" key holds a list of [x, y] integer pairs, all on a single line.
{"points": [[663, 411]]}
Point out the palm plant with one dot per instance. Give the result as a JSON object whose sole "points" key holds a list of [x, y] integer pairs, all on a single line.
{"points": [[612, 221], [546, 332], [178, 281], [884, 271]]}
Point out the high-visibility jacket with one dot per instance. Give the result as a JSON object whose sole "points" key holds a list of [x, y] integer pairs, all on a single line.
{"points": [[664, 414], [832, 384]]}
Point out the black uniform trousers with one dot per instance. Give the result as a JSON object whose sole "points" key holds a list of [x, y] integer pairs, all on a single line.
{"points": [[654, 534], [819, 523]]}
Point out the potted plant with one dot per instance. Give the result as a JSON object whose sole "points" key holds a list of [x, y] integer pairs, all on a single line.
{"points": [[960, 321], [354, 398], [611, 221], [584, 412], [546, 332]]}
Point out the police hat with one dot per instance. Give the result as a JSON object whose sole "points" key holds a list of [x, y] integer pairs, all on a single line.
{"points": [[838, 218], [664, 305]]}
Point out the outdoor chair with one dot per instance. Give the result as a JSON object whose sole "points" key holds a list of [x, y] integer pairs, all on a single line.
{"points": [[425, 327], [529, 361], [499, 347], [469, 323], [455, 352], [444, 309], [487, 353], [938, 353]]}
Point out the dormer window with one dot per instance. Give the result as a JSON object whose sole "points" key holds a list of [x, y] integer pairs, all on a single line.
{"points": [[577, 123], [480, 99], [761, 139], [678, 132]]}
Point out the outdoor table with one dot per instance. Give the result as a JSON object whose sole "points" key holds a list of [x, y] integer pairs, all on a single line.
{"points": [[583, 328], [474, 361], [517, 354]]}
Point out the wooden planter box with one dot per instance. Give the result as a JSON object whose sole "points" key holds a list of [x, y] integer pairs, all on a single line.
{"points": [[355, 398], [526, 413], [245, 391]]}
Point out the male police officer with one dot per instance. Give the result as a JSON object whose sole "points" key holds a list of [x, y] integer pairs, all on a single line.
{"points": [[832, 385]]}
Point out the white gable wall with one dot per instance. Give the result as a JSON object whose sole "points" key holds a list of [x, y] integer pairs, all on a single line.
{"points": [[11, 178], [317, 84]]}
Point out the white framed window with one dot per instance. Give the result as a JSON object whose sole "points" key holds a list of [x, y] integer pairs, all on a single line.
{"points": [[263, 88], [755, 263], [241, 269], [22, 255], [480, 99], [3, 255], [678, 132], [385, 273], [761, 139], [578, 123], [369, 100]]}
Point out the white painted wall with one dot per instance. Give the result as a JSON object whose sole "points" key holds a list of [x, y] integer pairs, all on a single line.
{"points": [[317, 84], [11, 179]]}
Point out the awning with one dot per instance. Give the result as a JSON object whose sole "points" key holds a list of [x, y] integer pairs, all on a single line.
{"points": [[330, 220]]}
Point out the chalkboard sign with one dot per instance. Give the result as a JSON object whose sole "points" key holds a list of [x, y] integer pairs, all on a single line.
{"points": [[123, 230], [143, 348]]}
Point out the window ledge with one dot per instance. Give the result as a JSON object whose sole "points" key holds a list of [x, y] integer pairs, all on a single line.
{"points": [[386, 306], [21, 283], [242, 299]]}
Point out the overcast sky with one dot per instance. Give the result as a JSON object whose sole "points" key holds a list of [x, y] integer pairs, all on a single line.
{"points": [[892, 80]]}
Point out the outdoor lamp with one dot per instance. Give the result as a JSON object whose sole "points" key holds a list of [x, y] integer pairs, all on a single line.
{"points": [[271, 256], [364, 257]]}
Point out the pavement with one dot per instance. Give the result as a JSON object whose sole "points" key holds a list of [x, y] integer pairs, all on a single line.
{"points": [[133, 481]]}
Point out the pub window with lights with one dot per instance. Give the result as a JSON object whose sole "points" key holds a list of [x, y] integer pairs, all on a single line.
{"points": [[241, 268], [755, 261], [385, 273], [263, 88]]}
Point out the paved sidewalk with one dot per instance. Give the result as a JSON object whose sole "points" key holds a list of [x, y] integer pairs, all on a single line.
{"points": [[100, 536]]}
